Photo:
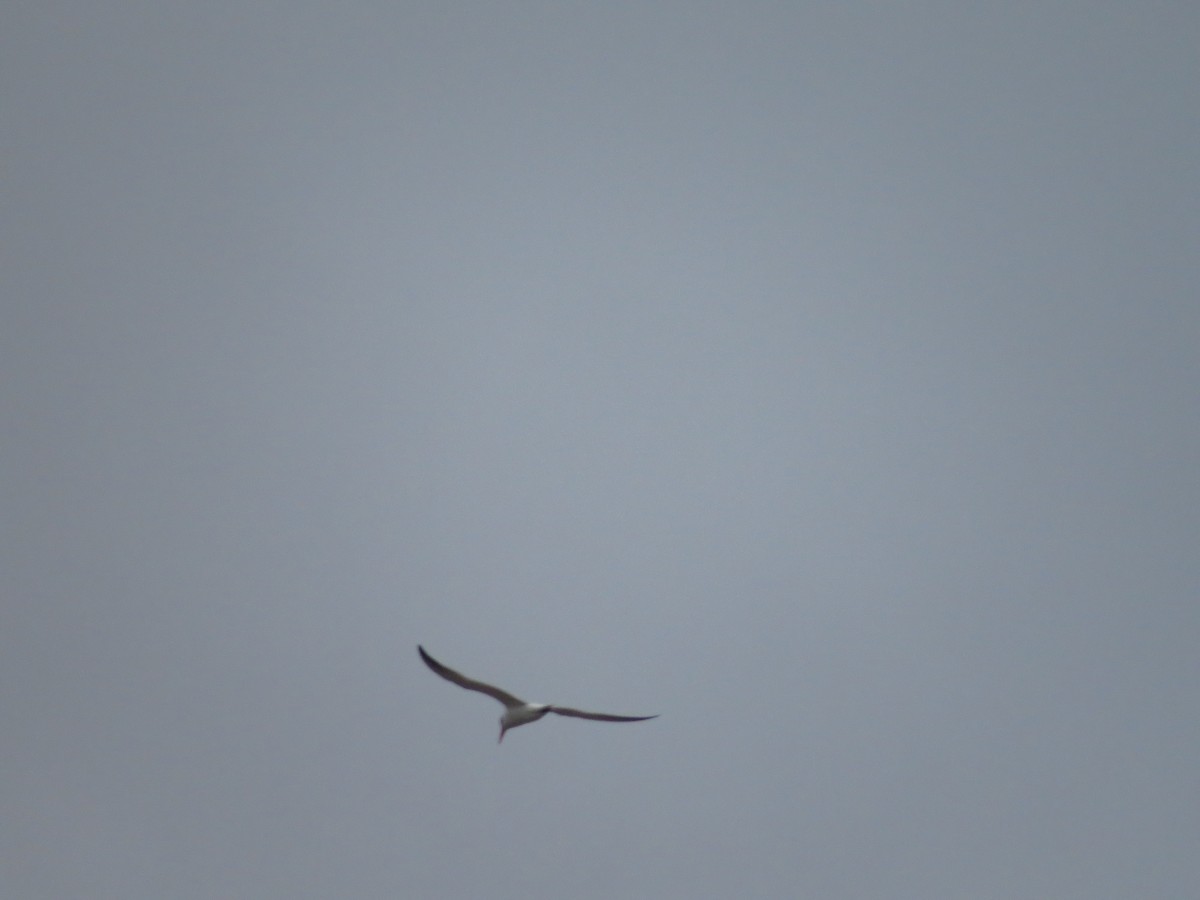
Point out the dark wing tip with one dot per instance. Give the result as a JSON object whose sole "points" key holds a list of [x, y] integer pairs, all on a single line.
{"points": [[429, 660]]}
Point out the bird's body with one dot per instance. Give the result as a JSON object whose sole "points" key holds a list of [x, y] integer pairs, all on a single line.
{"points": [[516, 711], [523, 714]]}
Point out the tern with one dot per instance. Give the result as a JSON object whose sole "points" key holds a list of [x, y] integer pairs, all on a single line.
{"points": [[517, 711]]}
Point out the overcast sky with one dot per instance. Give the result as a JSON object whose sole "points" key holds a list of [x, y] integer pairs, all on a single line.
{"points": [[821, 376]]}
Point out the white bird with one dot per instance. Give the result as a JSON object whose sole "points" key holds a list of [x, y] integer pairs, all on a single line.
{"points": [[517, 711]]}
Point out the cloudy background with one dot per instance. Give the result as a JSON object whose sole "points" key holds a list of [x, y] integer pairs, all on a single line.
{"points": [[822, 376]]}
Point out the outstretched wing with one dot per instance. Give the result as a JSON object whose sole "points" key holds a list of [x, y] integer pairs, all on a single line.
{"points": [[469, 683], [599, 717]]}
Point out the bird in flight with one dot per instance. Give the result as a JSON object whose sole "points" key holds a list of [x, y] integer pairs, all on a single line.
{"points": [[517, 711]]}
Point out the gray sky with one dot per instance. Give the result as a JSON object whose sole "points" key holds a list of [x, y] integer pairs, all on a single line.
{"points": [[820, 376]]}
